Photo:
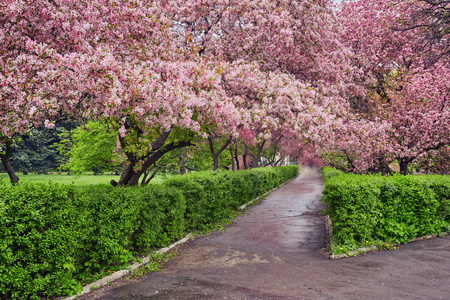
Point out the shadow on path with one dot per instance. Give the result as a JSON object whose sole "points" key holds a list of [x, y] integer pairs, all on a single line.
{"points": [[274, 251]]}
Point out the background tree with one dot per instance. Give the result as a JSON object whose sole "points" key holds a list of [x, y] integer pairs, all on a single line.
{"points": [[398, 110], [217, 150], [430, 19], [436, 162], [200, 158], [93, 149], [33, 152]]}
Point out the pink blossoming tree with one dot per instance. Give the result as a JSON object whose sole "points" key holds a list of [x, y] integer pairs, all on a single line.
{"points": [[400, 107], [158, 77]]}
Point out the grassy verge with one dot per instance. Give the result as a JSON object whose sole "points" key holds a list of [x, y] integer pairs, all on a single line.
{"points": [[79, 181]]}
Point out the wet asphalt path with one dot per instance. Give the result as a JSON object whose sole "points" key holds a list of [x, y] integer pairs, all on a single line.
{"points": [[274, 251]]}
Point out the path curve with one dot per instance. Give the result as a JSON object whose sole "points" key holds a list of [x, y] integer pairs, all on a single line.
{"points": [[274, 251]]}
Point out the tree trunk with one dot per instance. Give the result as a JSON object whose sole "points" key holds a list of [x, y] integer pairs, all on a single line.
{"points": [[130, 177], [146, 181], [127, 173], [95, 170], [257, 159], [182, 161], [215, 155], [233, 163], [6, 163], [236, 158], [382, 168], [275, 163], [134, 180], [244, 158], [403, 166]]}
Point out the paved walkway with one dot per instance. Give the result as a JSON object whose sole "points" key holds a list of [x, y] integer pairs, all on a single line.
{"points": [[273, 251]]}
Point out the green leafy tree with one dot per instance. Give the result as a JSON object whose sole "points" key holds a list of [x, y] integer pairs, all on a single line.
{"points": [[202, 158], [91, 147], [33, 152]]}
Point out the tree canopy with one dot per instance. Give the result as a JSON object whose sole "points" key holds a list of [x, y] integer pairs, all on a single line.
{"points": [[362, 85]]}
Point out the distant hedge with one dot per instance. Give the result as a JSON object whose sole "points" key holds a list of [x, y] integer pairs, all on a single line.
{"points": [[52, 239], [393, 209]]}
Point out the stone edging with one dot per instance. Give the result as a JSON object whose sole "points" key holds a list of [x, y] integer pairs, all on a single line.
{"points": [[121, 273], [329, 229]]}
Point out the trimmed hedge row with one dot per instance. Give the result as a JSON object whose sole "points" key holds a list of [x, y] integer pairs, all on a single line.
{"points": [[394, 209], [328, 173], [211, 196], [53, 240]]}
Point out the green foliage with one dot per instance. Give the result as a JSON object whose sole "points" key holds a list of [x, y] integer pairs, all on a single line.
{"points": [[54, 238], [328, 173], [377, 209], [92, 150], [33, 152], [212, 196], [199, 158], [161, 218], [38, 239], [435, 162], [336, 159], [107, 217], [79, 181]]}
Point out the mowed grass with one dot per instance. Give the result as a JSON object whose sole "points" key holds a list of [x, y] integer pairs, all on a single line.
{"points": [[79, 181]]}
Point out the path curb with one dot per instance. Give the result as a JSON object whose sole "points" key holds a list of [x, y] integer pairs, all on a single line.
{"points": [[121, 273]]}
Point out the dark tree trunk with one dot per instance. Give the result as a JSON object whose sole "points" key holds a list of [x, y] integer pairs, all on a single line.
{"points": [[153, 172], [215, 155], [273, 160], [151, 160], [350, 163], [130, 177], [275, 163], [182, 161], [382, 168], [244, 158], [403, 166], [96, 170], [257, 158], [233, 163], [6, 163], [127, 173], [236, 158]]}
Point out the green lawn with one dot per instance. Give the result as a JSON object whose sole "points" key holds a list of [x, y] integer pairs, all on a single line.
{"points": [[78, 180]]}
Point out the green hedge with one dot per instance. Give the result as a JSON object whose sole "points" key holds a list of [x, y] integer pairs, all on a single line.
{"points": [[53, 240], [211, 196], [37, 240], [328, 173], [395, 209]]}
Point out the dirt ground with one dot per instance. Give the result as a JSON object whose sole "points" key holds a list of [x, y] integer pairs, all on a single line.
{"points": [[274, 251]]}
